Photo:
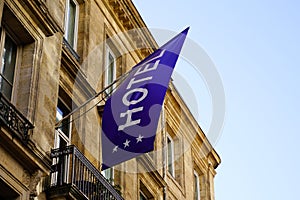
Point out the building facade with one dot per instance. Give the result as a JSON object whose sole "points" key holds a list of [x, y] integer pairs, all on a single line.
{"points": [[56, 57]]}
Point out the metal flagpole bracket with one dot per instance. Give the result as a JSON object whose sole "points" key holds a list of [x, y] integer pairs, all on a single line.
{"points": [[59, 123]]}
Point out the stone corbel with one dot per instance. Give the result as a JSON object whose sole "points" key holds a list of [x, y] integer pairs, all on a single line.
{"points": [[34, 180]]}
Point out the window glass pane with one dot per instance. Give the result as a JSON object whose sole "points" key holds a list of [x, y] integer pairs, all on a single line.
{"points": [[62, 111], [8, 67], [170, 156], [142, 196], [108, 174], [6, 88], [111, 62], [110, 74], [196, 186], [71, 23], [62, 142]]}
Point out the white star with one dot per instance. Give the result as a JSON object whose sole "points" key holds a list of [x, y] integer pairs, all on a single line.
{"points": [[126, 144], [115, 149], [139, 139]]}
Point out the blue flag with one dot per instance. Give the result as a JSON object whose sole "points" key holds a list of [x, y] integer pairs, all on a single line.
{"points": [[131, 114]]}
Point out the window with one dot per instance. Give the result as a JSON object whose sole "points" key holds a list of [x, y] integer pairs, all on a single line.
{"points": [[62, 139], [174, 156], [6, 192], [142, 196], [108, 174], [8, 63], [63, 133], [110, 69], [196, 186], [71, 22], [144, 193], [18, 56], [170, 156]]}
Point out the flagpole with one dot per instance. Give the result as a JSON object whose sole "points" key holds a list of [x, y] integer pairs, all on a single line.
{"points": [[164, 156], [57, 124]]}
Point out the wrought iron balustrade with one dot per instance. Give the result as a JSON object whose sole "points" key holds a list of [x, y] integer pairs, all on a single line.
{"points": [[70, 167], [14, 119]]}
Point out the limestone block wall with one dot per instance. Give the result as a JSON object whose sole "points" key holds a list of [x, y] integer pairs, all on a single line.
{"points": [[48, 69]]}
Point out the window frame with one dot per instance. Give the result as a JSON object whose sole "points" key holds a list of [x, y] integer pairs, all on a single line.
{"points": [[111, 178], [67, 21], [109, 52], [144, 190], [197, 186], [59, 133], [141, 194], [172, 163], [3, 34]]}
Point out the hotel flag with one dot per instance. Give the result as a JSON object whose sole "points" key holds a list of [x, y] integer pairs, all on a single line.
{"points": [[131, 113]]}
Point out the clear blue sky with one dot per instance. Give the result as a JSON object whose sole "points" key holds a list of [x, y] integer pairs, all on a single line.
{"points": [[255, 46]]}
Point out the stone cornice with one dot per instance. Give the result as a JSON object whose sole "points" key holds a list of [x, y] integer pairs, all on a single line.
{"points": [[200, 142], [126, 13]]}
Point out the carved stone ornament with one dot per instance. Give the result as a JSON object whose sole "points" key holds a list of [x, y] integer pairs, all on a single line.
{"points": [[34, 180]]}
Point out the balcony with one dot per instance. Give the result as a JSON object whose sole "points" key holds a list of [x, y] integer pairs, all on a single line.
{"points": [[74, 177], [14, 120]]}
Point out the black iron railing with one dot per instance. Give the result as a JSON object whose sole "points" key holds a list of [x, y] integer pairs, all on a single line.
{"points": [[14, 119], [71, 167]]}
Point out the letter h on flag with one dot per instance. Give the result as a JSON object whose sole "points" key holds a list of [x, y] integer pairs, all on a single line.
{"points": [[131, 114]]}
